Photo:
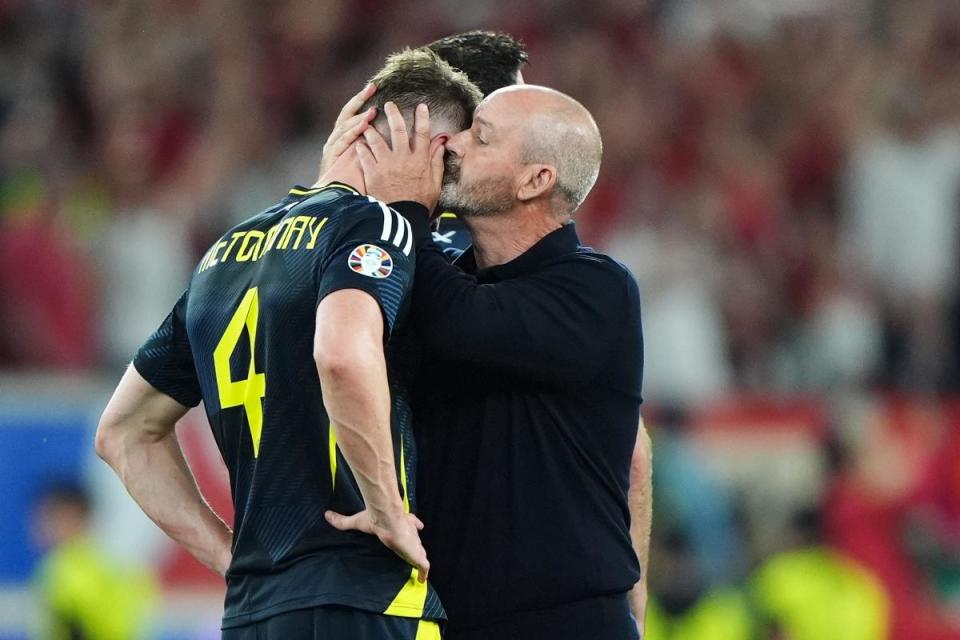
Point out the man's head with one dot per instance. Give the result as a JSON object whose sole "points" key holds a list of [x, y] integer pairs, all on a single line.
{"points": [[415, 76], [528, 145], [62, 513], [491, 60]]}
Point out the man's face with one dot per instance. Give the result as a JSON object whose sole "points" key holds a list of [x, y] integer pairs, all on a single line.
{"points": [[482, 162], [57, 521]]}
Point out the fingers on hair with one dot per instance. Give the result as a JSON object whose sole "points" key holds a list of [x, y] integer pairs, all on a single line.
{"points": [[415, 76]]}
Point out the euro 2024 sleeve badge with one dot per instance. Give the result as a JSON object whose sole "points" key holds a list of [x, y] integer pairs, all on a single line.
{"points": [[369, 260]]}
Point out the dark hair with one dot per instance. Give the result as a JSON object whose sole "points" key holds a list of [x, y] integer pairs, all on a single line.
{"points": [[66, 492], [491, 60], [415, 76]]}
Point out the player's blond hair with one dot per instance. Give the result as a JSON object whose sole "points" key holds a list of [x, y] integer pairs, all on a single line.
{"points": [[415, 76]]}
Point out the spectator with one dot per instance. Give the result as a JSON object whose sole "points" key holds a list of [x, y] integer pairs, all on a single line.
{"points": [[812, 592], [82, 595], [685, 607], [904, 181]]}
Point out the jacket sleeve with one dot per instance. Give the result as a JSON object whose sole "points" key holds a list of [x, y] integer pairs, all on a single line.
{"points": [[558, 326]]}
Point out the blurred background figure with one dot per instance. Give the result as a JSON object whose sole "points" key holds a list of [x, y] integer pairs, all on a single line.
{"points": [[686, 605], [82, 593], [810, 591], [783, 177]]}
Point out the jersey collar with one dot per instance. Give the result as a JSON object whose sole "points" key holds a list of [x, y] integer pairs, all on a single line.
{"points": [[298, 191], [556, 243]]}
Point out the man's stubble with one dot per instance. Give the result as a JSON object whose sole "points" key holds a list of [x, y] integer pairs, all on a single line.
{"points": [[483, 198]]}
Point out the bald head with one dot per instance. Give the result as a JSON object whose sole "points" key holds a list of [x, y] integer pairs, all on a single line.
{"points": [[559, 131], [529, 149]]}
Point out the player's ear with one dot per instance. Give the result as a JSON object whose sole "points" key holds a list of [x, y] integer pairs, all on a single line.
{"points": [[536, 180], [440, 138]]}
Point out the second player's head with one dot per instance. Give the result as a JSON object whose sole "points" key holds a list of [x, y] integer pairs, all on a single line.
{"points": [[491, 60], [415, 76]]}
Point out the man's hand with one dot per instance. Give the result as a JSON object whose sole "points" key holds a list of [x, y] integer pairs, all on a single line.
{"points": [[638, 605], [640, 499], [406, 169], [349, 126], [398, 533]]}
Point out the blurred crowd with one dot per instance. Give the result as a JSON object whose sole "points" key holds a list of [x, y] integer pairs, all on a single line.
{"points": [[802, 521], [783, 177]]}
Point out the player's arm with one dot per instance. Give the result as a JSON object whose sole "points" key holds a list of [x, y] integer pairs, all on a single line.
{"points": [[348, 345], [640, 498], [136, 437], [348, 350]]}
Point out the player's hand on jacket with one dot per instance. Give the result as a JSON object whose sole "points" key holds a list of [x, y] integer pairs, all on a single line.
{"points": [[350, 125], [399, 533], [406, 169]]}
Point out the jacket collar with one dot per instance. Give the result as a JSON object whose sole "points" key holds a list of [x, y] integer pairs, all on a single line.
{"points": [[556, 243]]}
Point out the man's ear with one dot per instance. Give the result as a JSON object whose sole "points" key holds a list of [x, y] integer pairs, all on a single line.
{"points": [[536, 180]]}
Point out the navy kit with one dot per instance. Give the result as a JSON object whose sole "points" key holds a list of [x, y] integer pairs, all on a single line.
{"points": [[526, 414]]}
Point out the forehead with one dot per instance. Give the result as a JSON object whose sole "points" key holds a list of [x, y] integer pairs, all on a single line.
{"points": [[498, 110]]}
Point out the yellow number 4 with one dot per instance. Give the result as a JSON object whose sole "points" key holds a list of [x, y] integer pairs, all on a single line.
{"points": [[249, 391]]}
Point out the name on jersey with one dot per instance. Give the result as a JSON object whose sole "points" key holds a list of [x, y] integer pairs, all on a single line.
{"points": [[292, 234]]}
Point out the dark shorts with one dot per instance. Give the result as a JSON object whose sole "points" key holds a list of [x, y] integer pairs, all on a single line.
{"points": [[606, 618], [335, 623]]}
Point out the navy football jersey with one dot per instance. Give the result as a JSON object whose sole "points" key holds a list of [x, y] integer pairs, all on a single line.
{"points": [[452, 236], [241, 339]]}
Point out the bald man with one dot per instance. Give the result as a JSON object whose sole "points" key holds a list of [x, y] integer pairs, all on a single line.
{"points": [[527, 416]]}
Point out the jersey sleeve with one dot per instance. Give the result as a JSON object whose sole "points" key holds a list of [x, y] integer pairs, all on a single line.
{"points": [[166, 361], [374, 252]]}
